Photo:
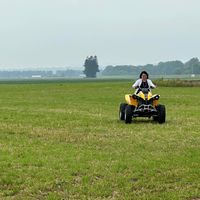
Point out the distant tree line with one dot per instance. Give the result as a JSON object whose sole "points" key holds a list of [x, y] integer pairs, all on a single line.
{"points": [[92, 67], [68, 73], [38, 73], [162, 68]]}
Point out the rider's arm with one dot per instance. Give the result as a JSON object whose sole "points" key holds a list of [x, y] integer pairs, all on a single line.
{"points": [[136, 84], [151, 85]]}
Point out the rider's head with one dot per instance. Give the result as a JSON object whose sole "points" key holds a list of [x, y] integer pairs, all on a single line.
{"points": [[144, 75]]}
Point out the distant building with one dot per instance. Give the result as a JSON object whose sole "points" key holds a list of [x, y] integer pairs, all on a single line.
{"points": [[36, 76]]}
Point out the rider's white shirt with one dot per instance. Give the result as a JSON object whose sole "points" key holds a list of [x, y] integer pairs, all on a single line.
{"points": [[139, 82]]}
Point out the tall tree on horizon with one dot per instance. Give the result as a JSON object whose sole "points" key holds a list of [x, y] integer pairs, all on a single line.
{"points": [[91, 67]]}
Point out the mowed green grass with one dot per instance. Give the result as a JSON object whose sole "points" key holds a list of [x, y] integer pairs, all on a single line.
{"points": [[63, 140]]}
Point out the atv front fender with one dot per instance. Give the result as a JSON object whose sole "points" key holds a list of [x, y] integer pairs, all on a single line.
{"points": [[130, 100]]}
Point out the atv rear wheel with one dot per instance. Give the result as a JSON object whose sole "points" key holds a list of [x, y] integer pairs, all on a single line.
{"points": [[122, 108], [128, 114], [161, 114]]}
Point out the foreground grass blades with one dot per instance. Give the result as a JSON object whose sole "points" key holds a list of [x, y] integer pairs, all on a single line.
{"points": [[64, 140]]}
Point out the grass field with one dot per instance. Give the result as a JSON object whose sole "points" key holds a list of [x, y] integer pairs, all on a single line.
{"points": [[63, 140]]}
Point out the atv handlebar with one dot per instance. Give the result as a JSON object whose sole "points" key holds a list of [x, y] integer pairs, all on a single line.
{"points": [[138, 87]]}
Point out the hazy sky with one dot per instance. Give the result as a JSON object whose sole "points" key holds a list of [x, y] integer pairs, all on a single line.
{"points": [[59, 33]]}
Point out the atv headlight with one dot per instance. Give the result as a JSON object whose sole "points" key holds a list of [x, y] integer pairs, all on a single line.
{"points": [[156, 97]]}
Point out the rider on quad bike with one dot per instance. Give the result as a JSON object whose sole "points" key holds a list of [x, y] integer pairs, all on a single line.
{"points": [[142, 103], [143, 82]]}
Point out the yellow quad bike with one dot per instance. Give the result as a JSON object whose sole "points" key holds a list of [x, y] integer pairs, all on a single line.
{"points": [[143, 104]]}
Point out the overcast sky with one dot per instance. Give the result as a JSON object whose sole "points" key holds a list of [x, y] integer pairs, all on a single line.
{"points": [[61, 33]]}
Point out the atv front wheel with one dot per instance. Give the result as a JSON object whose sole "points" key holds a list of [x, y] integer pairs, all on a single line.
{"points": [[122, 108], [161, 114], [128, 114], [155, 118]]}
